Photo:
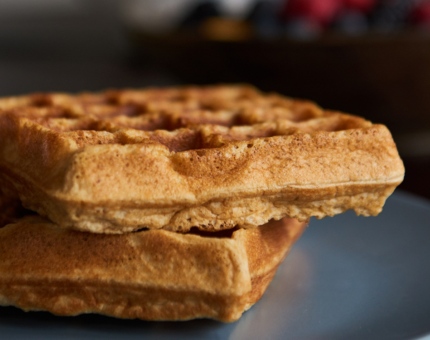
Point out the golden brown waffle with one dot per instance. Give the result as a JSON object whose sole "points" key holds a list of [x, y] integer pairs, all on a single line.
{"points": [[150, 275], [206, 157], [10, 209]]}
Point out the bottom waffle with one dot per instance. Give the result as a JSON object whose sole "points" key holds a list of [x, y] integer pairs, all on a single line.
{"points": [[150, 274], [10, 209]]}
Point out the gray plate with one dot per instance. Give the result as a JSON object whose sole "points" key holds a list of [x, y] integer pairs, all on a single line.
{"points": [[347, 278]]}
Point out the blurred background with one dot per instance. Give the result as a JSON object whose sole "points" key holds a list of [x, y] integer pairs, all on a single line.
{"points": [[366, 57]]}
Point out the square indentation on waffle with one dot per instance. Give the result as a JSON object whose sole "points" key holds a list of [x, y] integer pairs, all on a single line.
{"points": [[184, 118]]}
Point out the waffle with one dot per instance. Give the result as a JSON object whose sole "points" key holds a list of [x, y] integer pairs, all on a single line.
{"points": [[150, 275], [176, 158], [10, 209]]}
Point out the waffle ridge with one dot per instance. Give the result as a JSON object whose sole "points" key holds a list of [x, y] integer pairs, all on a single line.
{"points": [[209, 157]]}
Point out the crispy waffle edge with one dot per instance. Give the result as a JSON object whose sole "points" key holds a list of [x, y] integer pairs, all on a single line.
{"points": [[219, 157]]}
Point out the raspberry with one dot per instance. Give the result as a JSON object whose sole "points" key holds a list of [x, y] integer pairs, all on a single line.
{"points": [[319, 11], [421, 13]]}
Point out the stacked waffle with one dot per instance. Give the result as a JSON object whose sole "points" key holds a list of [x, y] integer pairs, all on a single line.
{"points": [[172, 203]]}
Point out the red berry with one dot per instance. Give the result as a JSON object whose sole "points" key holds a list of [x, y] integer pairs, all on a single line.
{"points": [[360, 5], [320, 11], [421, 13]]}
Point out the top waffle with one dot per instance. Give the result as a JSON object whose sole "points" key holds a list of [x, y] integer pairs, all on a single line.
{"points": [[176, 158]]}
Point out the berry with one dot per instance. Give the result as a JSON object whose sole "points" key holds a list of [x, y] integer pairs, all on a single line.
{"points": [[199, 14], [264, 18], [360, 5], [421, 13], [319, 11], [351, 22], [303, 29], [391, 14]]}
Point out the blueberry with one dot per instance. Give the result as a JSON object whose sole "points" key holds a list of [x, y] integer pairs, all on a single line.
{"points": [[199, 14], [351, 22], [303, 29], [265, 19], [391, 14]]}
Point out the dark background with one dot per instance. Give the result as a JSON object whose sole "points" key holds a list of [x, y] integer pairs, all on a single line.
{"points": [[87, 46]]}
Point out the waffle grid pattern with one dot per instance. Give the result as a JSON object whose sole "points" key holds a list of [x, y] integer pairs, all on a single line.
{"points": [[182, 119]]}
